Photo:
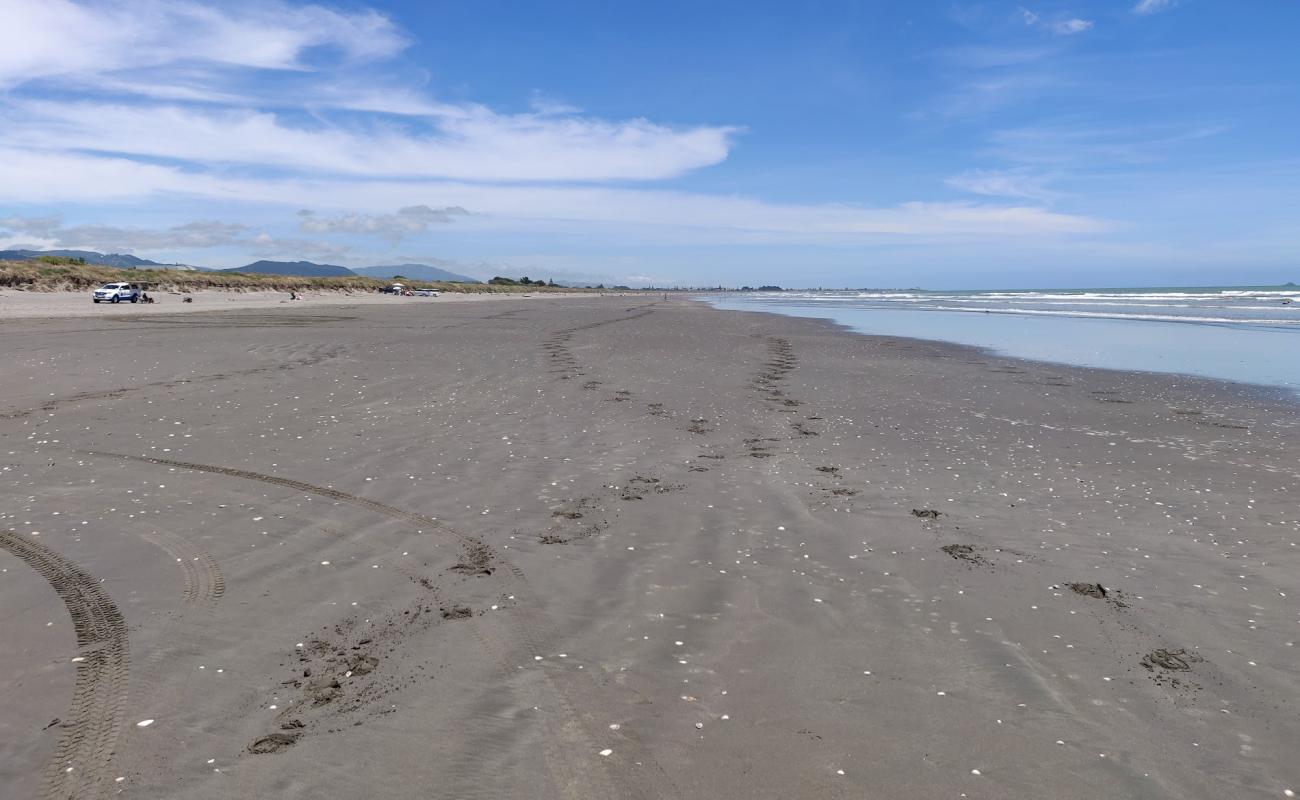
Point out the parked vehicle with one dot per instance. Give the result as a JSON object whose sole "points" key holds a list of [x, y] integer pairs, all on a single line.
{"points": [[426, 292], [116, 293]]}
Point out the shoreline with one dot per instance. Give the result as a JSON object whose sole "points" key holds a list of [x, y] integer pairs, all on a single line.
{"points": [[1279, 392], [626, 547], [1259, 392]]}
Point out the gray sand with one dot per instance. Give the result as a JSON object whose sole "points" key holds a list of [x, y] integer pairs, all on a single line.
{"points": [[461, 551]]}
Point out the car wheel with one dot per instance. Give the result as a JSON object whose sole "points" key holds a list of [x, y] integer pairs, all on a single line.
{"points": [[135, 298], [116, 298], [94, 300]]}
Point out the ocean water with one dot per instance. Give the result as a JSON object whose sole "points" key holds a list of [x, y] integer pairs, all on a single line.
{"points": [[1248, 334]]}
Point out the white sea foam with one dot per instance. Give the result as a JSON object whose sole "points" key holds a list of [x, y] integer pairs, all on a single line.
{"points": [[1239, 334], [1256, 307], [1104, 315]]}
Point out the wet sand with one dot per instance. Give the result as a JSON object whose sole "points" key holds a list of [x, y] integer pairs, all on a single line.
{"points": [[622, 547]]}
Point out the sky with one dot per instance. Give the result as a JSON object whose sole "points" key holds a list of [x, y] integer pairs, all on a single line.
{"points": [[945, 144]]}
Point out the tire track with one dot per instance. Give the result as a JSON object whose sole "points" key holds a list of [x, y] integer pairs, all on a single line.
{"points": [[179, 634], [204, 583], [113, 394], [81, 764], [301, 486], [579, 771]]}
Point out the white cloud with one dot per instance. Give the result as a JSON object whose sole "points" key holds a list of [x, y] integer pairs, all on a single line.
{"points": [[1061, 27], [165, 100], [49, 38], [289, 248], [473, 144], [42, 177], [1152, 6], [1002, 183], [1067, 27], [43, 227], [107, 238], [391, 227], [729, 218], [186, 81]]}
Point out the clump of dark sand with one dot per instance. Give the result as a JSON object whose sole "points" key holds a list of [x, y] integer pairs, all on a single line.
{"points": [[963, 552], [1095, 590], [1172, 660], [272, 743], [477, 560], [457, 612]]}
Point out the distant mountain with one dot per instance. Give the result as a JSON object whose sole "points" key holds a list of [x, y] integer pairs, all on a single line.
{"points": [[419, 272], [305, 268], [121, 260]]}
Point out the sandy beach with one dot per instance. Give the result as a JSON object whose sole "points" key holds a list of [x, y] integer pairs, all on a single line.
{"points": [[40, 305], [625, 547]]}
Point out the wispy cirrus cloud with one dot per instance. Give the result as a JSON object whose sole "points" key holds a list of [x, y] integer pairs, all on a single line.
{"points": [[1152, 6], [983, 94], [49, 38], [1075, 144], [983, 57], [467, 142], [186, 81], [1003, 183]]}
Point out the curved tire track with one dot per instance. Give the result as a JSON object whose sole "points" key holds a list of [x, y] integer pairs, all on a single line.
{"points": [[80, 767], [578, 771], [204, 583]]}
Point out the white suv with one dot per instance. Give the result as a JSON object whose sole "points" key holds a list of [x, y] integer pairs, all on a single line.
{"points": [[116, 293]]}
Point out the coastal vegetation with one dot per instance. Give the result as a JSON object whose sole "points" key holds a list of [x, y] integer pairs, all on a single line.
{"points": [[54, 274]]}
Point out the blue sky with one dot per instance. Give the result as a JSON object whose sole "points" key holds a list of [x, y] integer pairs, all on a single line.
{"points": [[938, 144]]}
